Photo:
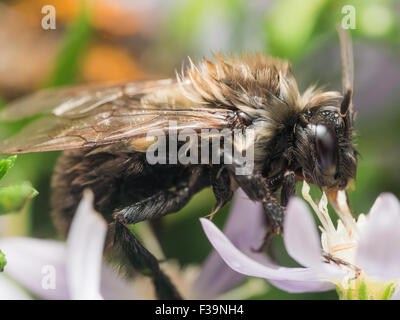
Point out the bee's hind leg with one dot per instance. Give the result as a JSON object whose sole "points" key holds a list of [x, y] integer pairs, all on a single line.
{"points": [[156, 206], [164, 201], [142, 260]]}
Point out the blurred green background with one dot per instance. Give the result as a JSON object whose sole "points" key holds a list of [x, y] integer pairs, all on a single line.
{"points": [[99, 41]]}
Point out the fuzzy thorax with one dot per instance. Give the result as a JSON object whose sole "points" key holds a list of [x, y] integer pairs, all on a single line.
{"points": [[262, 87]]}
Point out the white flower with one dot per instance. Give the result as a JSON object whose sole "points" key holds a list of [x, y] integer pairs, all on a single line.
{"points": [[361, 258], [76, 266]]}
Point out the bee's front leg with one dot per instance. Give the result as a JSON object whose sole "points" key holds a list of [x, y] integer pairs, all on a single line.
{"points": [[276, 211], [288, 187], [257, 189]]}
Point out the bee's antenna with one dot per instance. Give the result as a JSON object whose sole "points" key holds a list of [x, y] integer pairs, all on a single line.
{"points": [[347, 71]]}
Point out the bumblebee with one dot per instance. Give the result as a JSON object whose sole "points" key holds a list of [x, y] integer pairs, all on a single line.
{"points": [[102, 131]]}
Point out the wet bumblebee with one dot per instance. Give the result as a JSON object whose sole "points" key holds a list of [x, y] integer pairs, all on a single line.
{"points": [[102, 128]]}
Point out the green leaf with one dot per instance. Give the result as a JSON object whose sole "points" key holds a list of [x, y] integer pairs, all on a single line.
{"points": [[3, 261], [289, 26], [6, 164], [362, 291], [185, 20], [14, 198]]}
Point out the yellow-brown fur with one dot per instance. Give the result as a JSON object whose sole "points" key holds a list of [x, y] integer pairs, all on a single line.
{"points": [[262, 87]]}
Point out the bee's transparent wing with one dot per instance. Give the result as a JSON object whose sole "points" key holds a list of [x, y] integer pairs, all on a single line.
{"points": [[70, 122], [75, 101]]}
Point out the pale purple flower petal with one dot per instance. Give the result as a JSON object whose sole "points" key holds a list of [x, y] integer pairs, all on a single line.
{"points": [[246, 224], [11, 291], [301, 236], [52, 270], [245, 227], [396, 294], [240, 262], [30, 262], [290, 286], [33, 262], [378, 251], [215, 278], [85, 250], [303, 286], [114, 287]]}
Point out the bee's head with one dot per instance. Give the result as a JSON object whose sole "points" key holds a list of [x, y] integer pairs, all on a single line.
{"points": [[323, 148]]}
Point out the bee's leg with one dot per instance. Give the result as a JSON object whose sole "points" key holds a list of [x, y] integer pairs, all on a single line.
{"points": [[143, 261], [163, 202], [256, 188], [221, 184], [288, 190], [275, 211], [158, 205], [288, 187]]}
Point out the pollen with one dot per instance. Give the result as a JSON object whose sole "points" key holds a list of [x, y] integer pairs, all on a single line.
{"points": [[342, 247]]}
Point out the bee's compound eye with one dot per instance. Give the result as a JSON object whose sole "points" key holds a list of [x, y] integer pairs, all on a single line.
{"points": [[326, 145]]}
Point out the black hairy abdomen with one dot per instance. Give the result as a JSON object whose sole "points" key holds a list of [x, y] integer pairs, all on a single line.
{"points": [[116, 175]]}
